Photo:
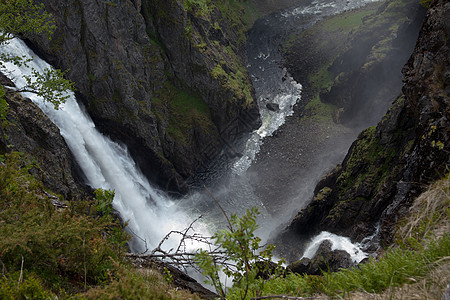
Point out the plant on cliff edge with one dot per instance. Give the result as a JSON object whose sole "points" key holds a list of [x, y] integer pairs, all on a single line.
{"points": [[24, 17], [245, 263]]}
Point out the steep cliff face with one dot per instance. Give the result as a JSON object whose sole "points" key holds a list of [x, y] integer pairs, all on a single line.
{"points": [[152, 74], [27, 130], [391, 163]]}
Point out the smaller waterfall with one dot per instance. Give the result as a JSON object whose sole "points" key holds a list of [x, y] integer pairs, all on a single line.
{"points": [[106, 164], [337, 243]]}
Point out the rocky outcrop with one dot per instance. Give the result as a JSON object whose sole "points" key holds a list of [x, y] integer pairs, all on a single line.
{"points": [[324, 260], [164, 78], [391, 163], [28, 130]]}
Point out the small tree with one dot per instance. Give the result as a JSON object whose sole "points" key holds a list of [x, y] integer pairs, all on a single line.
{"points": [[245, 262], [22, 17]]}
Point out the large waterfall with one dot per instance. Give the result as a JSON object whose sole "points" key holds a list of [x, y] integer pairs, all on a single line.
{"points": [[106, 164]]}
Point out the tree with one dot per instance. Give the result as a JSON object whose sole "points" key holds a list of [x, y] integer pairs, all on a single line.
{"points": [[19, 17], [245, 262]]}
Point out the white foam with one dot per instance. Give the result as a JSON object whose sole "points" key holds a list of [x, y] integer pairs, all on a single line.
{"points": [[337, 243]]}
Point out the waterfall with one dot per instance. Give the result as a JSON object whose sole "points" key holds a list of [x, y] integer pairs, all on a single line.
{"points": [[106, 164], [337, 243]]}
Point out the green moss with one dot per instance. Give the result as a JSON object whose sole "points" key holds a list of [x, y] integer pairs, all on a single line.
{"points": [[346, 21], [181, 111], [3, 104], [322, 79], [238, 82], [319, 111]]}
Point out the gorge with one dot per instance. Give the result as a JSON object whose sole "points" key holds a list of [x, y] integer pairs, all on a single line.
{"points": [[172, 83]]}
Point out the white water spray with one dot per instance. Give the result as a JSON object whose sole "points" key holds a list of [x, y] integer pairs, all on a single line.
{"points": [[106, 164]]}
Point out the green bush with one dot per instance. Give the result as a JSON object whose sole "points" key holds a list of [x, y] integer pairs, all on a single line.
{"points": [[77, 244], [23, 286], [243, 261]]}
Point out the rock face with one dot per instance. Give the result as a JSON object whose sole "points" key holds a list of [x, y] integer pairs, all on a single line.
{"points": [[164, 78], [324, 260], [27, 129], [388, 165]]}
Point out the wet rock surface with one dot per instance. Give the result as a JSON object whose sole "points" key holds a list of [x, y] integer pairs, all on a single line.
{"points": [[324, 260], [28, 130]]}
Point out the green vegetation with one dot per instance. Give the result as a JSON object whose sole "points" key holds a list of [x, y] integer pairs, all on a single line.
{"points": [[22, 17], [245, 262], [78, 251], [236, 17], [319, 111], [182, 112], [238, 82], [139, 284], [64, 249], [332, 41]]}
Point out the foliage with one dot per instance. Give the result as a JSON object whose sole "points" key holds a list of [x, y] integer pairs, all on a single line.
{"points": [[138, 284], [423, 248], [50, 85], [245, 262], [3, 104], [66, 247], [425, 3], [23, 285], [24, 17], [396, 268]]}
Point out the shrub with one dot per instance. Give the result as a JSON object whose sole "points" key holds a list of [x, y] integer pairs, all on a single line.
{"points": [[72, 246]]}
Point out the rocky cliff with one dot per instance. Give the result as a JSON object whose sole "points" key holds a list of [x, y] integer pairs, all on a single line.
{"points": [[167, 78], [26, 129], [388, 165]]}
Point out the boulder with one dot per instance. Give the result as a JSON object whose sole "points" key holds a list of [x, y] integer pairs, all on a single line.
{"points": [[273, 106], [324, 260]]}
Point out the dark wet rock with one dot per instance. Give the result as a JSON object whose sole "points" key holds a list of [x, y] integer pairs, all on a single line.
{"points": [[273, 106], [267, 269], [28, 130], [390, 164], [324, 260]]}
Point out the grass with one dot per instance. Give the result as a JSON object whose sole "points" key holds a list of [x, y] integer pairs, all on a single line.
{"points": [[319, 111]]}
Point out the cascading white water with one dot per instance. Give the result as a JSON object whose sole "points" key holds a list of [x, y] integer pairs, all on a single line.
{"points": [[106, 164], [337, 243]]}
